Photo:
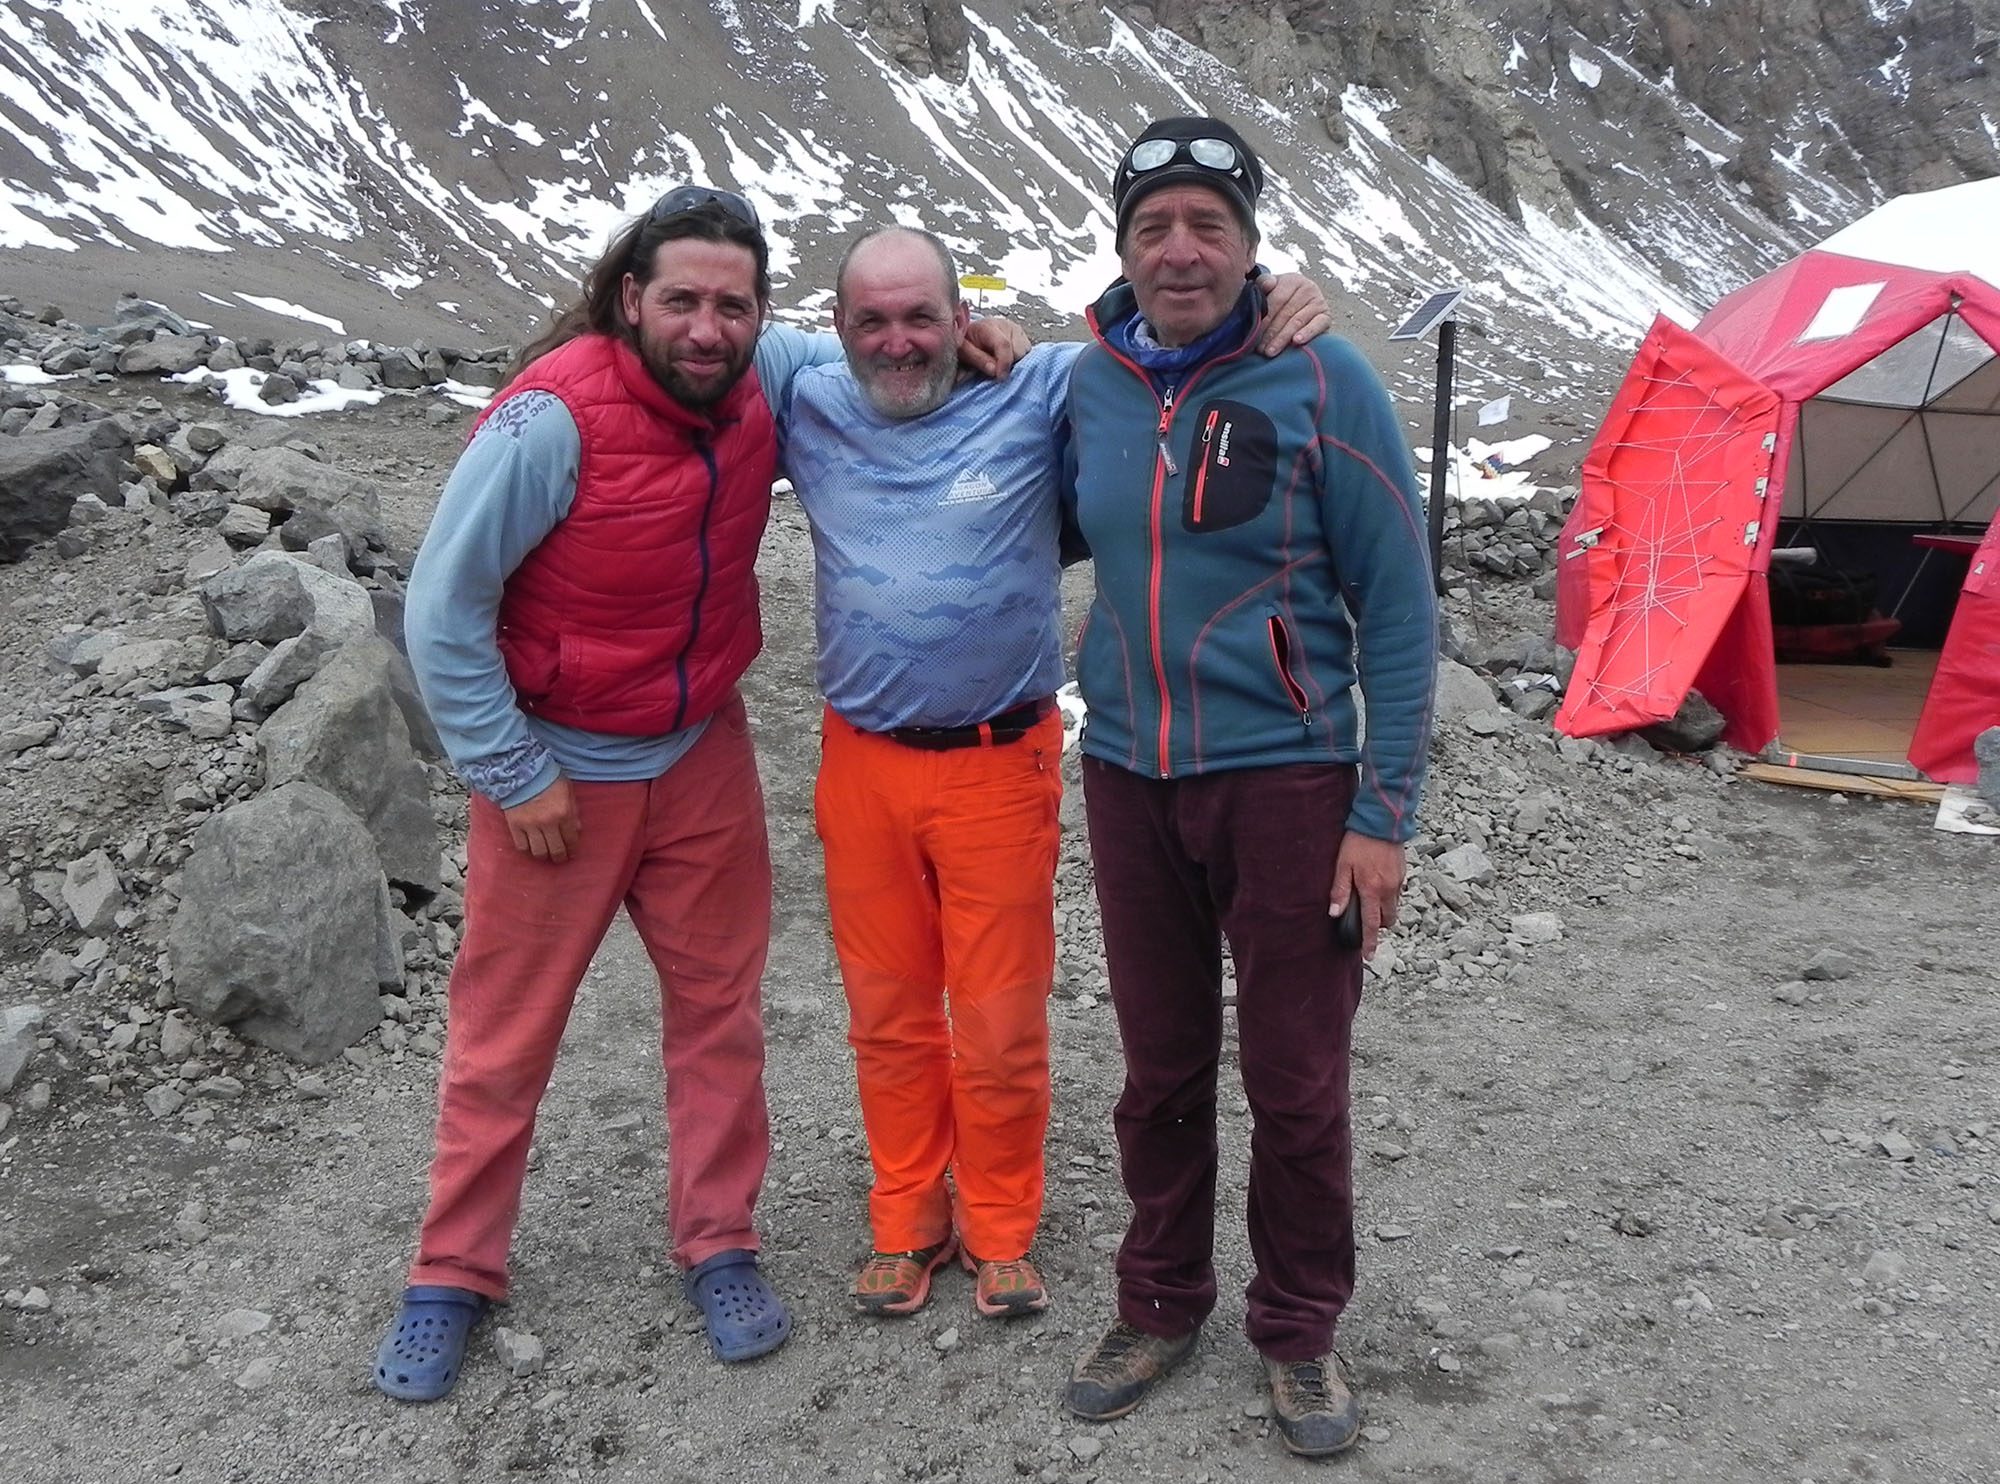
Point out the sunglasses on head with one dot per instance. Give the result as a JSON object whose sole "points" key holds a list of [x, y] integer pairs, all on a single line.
{"points": [[694, 197], [1210, 154]]}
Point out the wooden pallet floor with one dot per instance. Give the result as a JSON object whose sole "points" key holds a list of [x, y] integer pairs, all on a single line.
{"points": [[1854, 711]]}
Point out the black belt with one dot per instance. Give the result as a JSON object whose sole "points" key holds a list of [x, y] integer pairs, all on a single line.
{"points": [[1009, 726]]}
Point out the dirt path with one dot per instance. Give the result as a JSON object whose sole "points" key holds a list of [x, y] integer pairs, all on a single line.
{"points": [[1636, 1205]]}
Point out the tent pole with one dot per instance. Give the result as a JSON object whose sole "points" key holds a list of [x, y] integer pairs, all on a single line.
{"points": [[1441, 447]]}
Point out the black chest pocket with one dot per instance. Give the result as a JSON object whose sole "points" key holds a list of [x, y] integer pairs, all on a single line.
{"points": [[1234, 467]]}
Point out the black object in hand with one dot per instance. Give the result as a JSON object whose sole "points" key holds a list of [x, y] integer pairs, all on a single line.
{"points": [[1347, 931]]}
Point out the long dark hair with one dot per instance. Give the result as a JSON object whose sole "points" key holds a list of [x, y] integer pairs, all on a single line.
{"points": [[601, 310]]}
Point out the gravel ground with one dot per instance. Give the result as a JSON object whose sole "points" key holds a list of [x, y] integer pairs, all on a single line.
{"points": [[1678, 1151]]}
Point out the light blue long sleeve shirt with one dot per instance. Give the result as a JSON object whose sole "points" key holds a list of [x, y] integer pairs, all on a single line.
{"points": [[515, 481]]}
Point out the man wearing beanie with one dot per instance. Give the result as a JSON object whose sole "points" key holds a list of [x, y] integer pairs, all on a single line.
{"points": [[1259, 551]]}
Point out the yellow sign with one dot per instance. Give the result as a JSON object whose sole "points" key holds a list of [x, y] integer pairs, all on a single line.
{"points": [[982, 281]]}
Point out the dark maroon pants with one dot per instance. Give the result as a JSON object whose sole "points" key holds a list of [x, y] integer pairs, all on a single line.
{"points": [[1179, 863]]}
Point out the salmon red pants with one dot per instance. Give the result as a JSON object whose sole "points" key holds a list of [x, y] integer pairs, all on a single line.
{"points": [[940, 878], [687, 856]]}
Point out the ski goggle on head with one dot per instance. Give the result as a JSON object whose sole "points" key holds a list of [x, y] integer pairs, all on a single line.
{"points": [[694, 197], [1211, 154]]}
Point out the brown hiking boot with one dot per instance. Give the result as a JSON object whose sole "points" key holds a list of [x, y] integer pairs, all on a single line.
{"points": [[1121, 1368], [1317, 1415]]}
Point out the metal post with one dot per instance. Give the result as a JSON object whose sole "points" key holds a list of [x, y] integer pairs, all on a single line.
{"points": [[1441, 447]]}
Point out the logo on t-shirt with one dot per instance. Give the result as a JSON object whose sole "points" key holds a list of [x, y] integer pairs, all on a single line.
{"points": [[972, 487]]}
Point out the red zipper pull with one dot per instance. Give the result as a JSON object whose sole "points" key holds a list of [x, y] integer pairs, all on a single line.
{"points": [[1167, 416]]}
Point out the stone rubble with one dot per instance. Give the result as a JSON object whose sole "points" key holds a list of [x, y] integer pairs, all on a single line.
{"points": [[169, 719]]}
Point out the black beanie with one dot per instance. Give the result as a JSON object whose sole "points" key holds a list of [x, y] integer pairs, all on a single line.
{"points": [[1240, 186]]}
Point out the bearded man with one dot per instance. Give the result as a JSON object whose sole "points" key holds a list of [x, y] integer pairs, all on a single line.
{"points": [[578, 619], [934, 504]]}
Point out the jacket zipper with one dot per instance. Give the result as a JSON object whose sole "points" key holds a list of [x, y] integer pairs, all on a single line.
{"points": [[707, 451], [1201, 469], [1281, 656], [1160, 472]]}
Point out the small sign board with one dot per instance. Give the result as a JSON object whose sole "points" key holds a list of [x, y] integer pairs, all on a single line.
{"points": [[1429, 313], [984, 281]]}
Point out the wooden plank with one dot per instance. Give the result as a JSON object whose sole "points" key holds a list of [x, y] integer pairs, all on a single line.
{"points": [[1917, 792]]}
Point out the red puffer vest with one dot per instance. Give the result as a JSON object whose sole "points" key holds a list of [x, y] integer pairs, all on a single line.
{"points": [[637, 614]]}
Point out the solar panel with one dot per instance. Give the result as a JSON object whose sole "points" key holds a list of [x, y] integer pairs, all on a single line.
{"points": [[1437, 307]]}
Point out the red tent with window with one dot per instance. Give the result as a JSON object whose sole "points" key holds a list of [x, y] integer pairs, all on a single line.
{"points": [[1853, 396]]}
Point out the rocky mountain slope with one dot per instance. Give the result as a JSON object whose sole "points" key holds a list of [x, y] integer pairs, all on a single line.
{"points": [[444, 169]]}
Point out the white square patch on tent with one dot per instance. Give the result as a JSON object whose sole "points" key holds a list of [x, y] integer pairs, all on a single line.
{"points": [[1842, 312]]}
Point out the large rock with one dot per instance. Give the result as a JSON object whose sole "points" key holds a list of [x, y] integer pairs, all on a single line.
{"points": [[343, 731], [19, 1025], [41, 475], [261, 602], [284, 481], [1986, 749], [283, 912], [1461, 692], [92, 894], [287, 667], [386, 660], [169, 355], [341, 610], [1696, 727]]}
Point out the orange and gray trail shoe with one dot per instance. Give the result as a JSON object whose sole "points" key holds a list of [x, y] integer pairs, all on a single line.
{"points": [[1004, 1290], [900, 1282]]}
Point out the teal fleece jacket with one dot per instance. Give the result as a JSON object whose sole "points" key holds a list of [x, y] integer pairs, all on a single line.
{"points": [[1259, 546]]}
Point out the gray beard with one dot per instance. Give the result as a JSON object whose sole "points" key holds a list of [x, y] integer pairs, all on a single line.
{"points": [[928, 398]]}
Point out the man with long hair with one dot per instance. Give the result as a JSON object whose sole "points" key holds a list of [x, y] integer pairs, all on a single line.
{"points": [[579, 617]]}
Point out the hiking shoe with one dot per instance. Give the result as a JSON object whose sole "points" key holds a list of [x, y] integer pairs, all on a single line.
{"points": [[1003, 1290], [1121, 1368], [1317, 1415], [899, 1282]]}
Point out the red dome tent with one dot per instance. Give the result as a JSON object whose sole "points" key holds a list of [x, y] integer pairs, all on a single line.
{"points": [[1853, 395]]}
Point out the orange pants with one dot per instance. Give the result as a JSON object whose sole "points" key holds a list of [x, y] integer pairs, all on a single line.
{"points": [[940, 880]]}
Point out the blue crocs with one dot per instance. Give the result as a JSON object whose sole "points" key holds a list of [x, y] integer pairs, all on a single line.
{"points": [[745, 1318], [420, 1357]]}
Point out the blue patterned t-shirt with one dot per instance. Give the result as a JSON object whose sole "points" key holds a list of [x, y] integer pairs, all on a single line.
{"points": [[937, 569]]}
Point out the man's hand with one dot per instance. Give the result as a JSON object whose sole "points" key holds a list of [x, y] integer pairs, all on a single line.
{"points": [[992, 345], [1375, 869], [547, 826], [1295, 311]]}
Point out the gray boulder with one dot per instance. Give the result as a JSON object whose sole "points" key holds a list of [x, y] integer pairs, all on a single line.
{"points": [[284, 481], [92, 894], [169, 355], [343, 731], [1461, 692], [41, 474], [131, 309], [288, 666], [1695, 727], [340, 607], [19, 1025], [1986, 749], [261, 601], [203, 711], [283, 912], [1467, 864]]}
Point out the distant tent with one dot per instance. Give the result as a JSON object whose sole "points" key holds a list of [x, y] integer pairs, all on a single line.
{"points": [[1852, 395]]}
